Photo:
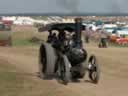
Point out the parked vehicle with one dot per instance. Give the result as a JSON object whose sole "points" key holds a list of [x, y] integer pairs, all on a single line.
{"points": [[5, 35], [122, 40], [120, 35], [109, 27]]}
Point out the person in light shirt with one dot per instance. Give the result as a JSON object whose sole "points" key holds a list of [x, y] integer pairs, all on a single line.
{"points": [[88, 32], [103, 38]]}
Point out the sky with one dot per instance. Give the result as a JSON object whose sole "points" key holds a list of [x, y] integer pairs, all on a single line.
{"points": [[64, 7]]}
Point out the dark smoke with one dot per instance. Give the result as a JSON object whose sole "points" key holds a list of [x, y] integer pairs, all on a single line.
{"points": [[115, 6], [70, 5]]}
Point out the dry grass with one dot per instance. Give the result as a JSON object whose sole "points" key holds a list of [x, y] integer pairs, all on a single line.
{"points": [[22, 35], [112, 60], [10, 83], [114, 70]]}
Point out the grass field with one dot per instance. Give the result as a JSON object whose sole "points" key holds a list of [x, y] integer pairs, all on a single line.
{"points": [[10, 83], [19, 70]]}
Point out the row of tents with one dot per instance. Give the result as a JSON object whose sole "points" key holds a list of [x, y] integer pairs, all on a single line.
{"points": [[22, 20]]}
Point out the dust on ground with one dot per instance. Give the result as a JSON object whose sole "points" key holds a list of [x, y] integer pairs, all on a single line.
{"points": [[113, 81]]}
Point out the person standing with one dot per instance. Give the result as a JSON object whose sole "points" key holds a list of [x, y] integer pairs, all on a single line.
{"points": [[103, 39], [87, 34]]}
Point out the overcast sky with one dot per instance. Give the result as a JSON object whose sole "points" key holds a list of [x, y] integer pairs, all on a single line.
{"points": [[64, 6]]}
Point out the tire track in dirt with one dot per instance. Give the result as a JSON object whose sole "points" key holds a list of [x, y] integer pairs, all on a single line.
{"points": [[108, 85]]}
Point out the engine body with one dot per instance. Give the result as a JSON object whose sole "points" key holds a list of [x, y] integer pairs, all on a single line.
{"points": [[76, 56]]}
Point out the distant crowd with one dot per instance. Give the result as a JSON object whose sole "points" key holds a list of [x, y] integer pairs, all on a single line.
{"points": [[99, 35]]}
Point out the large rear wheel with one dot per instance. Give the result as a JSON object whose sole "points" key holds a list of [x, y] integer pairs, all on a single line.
{"points": [[42, 60], [47, 59]]}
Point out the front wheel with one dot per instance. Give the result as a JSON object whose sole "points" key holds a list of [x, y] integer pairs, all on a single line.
{"points": [[64, 69], [94, 70]]}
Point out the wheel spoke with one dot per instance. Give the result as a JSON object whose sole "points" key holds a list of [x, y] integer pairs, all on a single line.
{"points": [[94, 71], [94, 75]]}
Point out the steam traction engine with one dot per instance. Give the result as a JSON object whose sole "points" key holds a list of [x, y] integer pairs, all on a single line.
{"points": [[63, 55]]}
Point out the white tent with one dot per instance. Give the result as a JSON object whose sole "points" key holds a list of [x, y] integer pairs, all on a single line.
{"points": [[12, 18]]}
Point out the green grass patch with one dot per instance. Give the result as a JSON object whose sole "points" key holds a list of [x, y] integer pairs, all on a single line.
{"points": [[23, 42], [10, 84], [13, 82], [23, 38]]}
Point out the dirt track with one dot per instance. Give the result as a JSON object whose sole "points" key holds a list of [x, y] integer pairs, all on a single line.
{"points": [[113, 82]]}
